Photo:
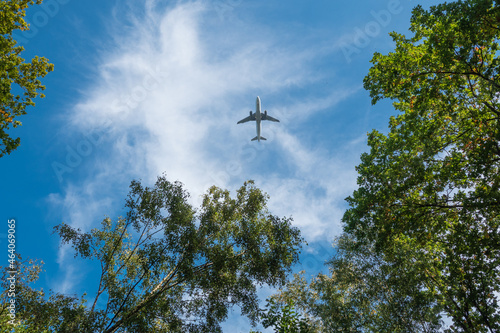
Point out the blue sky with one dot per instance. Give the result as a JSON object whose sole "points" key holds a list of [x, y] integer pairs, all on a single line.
{"points": [[142, 88]]}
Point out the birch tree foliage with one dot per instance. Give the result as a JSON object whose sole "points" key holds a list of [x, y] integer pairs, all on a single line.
{"points": [[167, 267], [171, 268], [25, 309]]}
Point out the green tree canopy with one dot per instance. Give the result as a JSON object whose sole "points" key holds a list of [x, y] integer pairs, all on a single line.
{"points": [[430, 187], [284, 318], [47, 311], [167, 267], [422, 234], [363, 293], [19, 83]]}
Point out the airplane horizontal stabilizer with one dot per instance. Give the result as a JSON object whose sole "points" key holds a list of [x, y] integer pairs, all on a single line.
{"points": [[256, 138]]}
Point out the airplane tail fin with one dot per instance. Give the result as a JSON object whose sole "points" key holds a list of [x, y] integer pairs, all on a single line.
{"points": [[257, 137]]}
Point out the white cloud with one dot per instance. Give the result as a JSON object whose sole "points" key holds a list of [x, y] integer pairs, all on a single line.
{"points": [[314, 195], [168, 96]]}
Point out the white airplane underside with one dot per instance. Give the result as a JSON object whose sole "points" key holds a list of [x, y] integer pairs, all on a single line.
{"points": [[258, 117]]}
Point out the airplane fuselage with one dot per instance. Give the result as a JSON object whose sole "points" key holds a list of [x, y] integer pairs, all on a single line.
{"points": [[258, 117]]}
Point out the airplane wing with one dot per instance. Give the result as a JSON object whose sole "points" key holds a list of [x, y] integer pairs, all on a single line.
{"points": [[268, 117], [249, 118]]}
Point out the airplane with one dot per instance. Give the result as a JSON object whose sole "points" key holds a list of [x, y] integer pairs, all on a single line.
{"points": [[257, 117]]}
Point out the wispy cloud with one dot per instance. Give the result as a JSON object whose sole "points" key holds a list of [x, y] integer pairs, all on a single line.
{"points": [[314, 193], [168, 94]]}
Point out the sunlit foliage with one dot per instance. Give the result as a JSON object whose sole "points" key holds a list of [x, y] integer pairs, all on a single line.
{"points": [[167, 267], [19, 80]]}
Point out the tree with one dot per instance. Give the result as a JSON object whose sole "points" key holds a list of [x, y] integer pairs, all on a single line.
{"points": [[167, 267], [15, 74], [362, 294], [422, 235], [284, 318], [47, 312], [430, 186]]}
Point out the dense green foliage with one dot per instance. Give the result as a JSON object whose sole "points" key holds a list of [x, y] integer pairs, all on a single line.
{"points": [[421, 237], [284, 318], [363, 293], [428, 195], [48, 312], [167, 267], [15, 74]]}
